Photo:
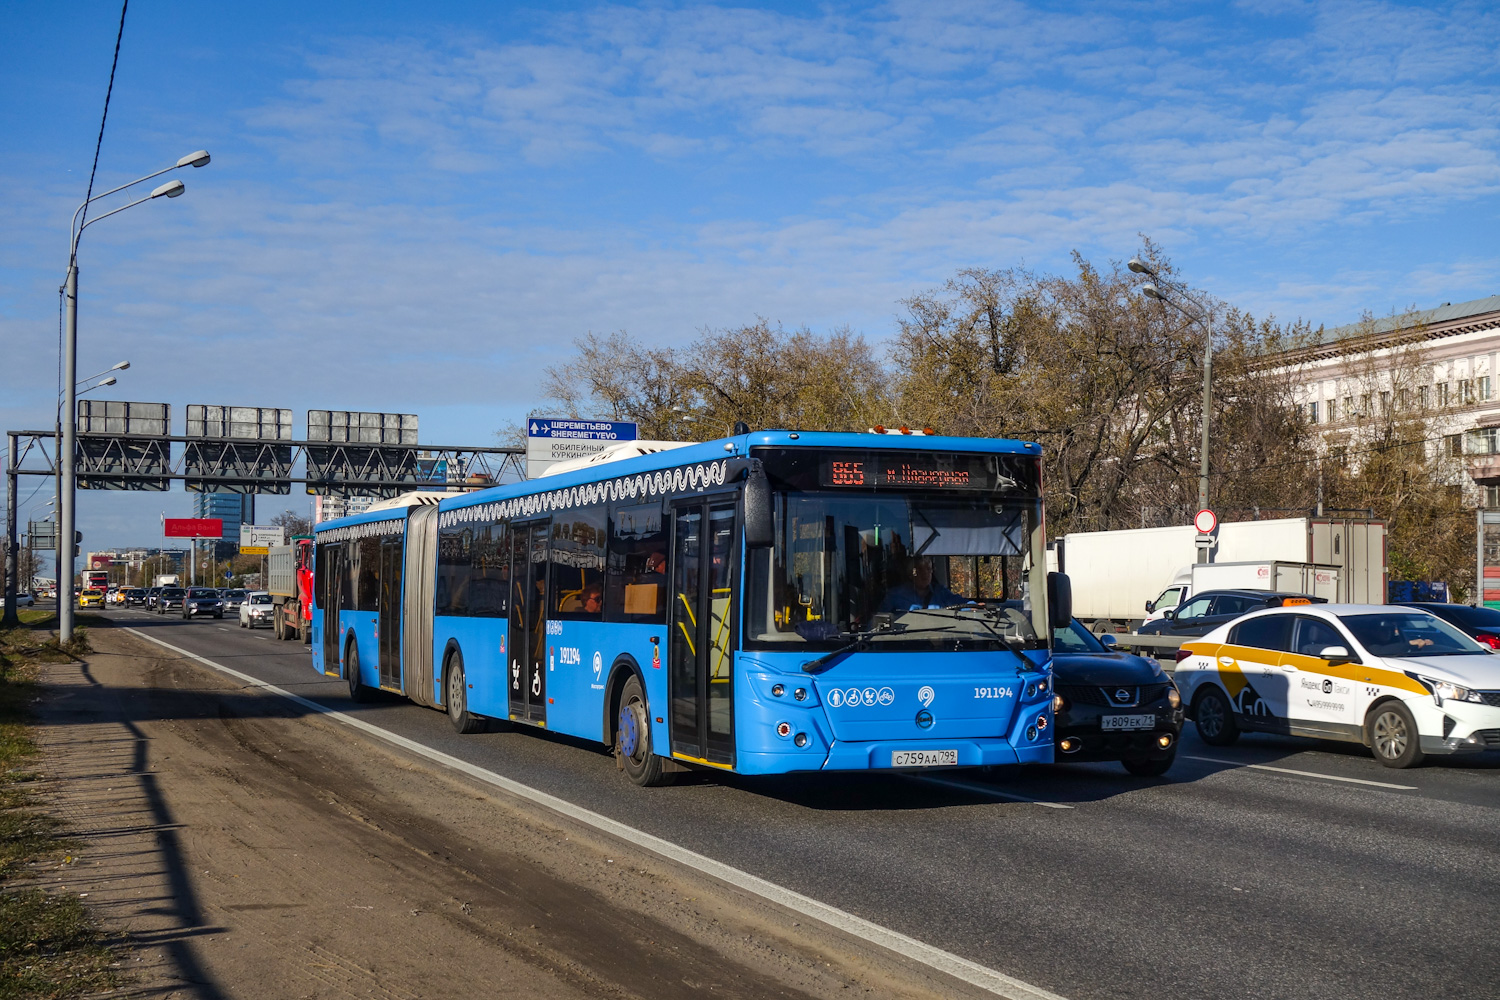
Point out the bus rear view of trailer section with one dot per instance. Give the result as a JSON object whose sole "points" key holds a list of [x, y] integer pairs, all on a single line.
{"points": [[290, 586]]}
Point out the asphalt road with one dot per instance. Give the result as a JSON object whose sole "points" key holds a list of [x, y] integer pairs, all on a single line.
{"points": [[1274, 868]]}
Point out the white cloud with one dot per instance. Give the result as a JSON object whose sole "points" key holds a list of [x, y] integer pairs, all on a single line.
{"points": [[431, 218]]}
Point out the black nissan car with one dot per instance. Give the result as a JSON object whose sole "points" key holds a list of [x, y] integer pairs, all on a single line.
{"points": [[1109, 705], [202, 601]]}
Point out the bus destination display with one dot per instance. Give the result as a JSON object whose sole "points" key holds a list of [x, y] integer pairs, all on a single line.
{"points": [[920, 471]]}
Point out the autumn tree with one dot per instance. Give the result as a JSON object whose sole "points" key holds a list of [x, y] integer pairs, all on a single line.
{"points": [[760, 374], [1109, 381]]}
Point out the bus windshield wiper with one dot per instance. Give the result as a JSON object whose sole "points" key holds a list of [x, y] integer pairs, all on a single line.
{"points": [[985, 617], [860, 639]]}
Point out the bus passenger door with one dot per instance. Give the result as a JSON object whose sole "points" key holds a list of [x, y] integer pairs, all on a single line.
{"points": [[704, 550], [390, 613], [331, 571], [527, 639]]}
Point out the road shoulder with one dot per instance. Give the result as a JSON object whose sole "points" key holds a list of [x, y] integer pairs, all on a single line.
{"points": [[250, 850]]}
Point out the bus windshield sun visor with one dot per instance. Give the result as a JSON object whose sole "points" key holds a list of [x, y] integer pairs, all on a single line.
{"points": [[941, 531]]}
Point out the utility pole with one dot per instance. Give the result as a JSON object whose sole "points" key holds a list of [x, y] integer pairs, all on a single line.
{"points": [[67, 495], [1154, 291], [12, 550]]}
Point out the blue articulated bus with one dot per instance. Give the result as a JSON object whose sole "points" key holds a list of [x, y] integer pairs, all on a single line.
{"points": [[770, 602]]}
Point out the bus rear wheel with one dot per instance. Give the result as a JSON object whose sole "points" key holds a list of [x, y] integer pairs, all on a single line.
{"points": [[633, 739], [457, 700], [357, 691]]}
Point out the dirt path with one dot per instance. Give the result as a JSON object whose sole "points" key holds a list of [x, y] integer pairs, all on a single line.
{"points": [[249, 851]]}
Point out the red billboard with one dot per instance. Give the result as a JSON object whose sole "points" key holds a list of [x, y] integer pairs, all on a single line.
{"points": [[194, 527]]}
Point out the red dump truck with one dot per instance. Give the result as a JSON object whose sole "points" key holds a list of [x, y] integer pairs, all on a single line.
{"points": [[291, 588]]}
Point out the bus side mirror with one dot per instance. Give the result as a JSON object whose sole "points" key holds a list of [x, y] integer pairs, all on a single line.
{"points": [[760, 523], [1059, 600]]}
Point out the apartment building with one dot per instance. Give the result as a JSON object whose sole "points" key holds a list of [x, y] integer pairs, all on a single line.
{"points": [[1439, 365]]}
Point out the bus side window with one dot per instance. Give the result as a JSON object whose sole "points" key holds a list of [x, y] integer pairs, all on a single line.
{"points": [[455, 545], [637, 590], [577, 553], [488, 568], [367, 591]]}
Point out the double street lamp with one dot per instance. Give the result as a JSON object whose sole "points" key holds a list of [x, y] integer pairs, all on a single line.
{"points": [[1154, 290], [67, 449]]}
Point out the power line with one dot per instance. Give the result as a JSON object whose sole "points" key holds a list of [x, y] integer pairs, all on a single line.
{"points": [[99, 143]]}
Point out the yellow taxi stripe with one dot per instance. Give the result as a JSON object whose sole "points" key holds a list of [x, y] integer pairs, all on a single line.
{"points": [[1357, 672]]}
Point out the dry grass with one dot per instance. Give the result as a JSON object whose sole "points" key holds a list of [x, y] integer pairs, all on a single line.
{"points": [[49, 944]]}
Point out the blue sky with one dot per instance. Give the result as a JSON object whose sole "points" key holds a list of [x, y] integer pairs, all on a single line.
{"points": [[416, 207]]}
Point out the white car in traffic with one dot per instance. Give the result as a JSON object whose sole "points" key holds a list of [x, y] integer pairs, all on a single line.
{"points": [[257, 610], [1401, 681]]}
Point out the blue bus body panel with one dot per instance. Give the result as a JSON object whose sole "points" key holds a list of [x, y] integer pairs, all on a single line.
{"points": [[482, 643], [581, 658], [867, 705], [317, 641], [365, 625]]}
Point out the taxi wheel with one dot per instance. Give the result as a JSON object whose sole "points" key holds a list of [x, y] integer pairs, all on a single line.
{"points": [[1393, 735], [1215, 720]]}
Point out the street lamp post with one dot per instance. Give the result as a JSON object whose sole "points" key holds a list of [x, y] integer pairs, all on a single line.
{"points": [[67, 449], [1153, 290]]}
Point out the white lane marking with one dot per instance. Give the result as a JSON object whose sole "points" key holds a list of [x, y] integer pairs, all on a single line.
{"points": [[1304, 774], [935, 958], [987, 790]]}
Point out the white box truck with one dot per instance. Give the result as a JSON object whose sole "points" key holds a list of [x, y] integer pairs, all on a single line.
{"points": [[1283, 577], [1114, 573]]}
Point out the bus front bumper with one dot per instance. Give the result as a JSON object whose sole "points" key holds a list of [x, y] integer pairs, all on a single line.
{"points": [[882, 756]]}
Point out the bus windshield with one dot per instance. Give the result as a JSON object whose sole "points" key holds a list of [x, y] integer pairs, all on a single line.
{"points": [[919, 572]]}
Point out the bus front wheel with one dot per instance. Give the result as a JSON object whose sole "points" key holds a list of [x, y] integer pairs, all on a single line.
{"points": [[633, 739]]}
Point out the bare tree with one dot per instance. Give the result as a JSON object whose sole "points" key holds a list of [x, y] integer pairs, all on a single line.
{"points": [[759, 374], [294, 523]]}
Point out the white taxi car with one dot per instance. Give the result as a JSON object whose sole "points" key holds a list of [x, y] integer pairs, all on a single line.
{"points": [[1401, 681]]}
